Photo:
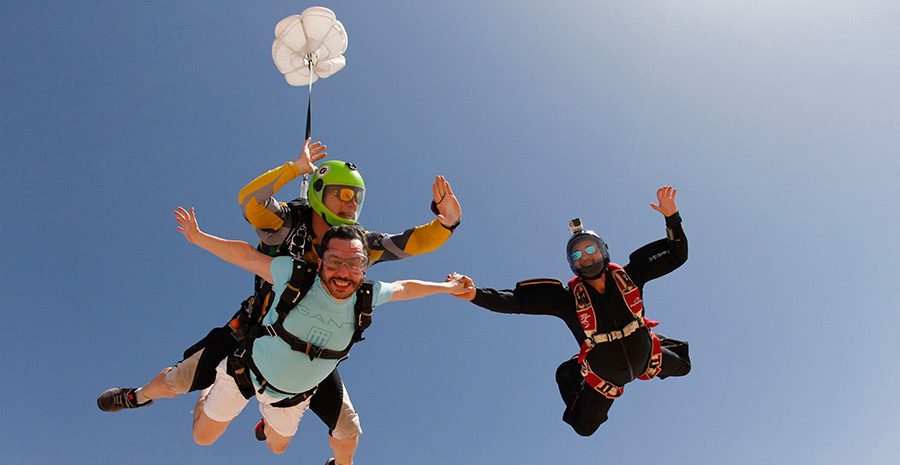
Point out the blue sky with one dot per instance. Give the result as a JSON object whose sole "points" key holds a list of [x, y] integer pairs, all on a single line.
{"points": [[777, 121]]}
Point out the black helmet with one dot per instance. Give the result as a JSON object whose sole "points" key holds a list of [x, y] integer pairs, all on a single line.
{"points": [[579, 235]]}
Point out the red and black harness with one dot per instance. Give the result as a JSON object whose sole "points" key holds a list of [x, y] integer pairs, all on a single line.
{"points": [[588, 319]]}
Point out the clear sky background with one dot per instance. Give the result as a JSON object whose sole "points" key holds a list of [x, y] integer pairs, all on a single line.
{"points": [[777, 121]]}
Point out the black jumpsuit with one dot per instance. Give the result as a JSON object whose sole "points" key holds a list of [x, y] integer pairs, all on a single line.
{"points": [[619, 361]]}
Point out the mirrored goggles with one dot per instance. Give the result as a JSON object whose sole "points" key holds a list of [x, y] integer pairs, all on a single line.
{"points": [[589, 250], [356, 264], [346, 193]]}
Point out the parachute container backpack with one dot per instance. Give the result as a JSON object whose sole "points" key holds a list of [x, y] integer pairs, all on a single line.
{"points": [[307, 47]]}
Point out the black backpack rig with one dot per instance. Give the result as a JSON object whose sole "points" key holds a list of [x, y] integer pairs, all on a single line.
{"points": [[295, 245]]}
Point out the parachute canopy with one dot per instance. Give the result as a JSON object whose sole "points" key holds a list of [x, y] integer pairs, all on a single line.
{"points": [[314, 37]]}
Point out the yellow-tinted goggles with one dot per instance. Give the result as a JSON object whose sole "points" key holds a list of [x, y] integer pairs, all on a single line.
{"points": [[345, 194]]}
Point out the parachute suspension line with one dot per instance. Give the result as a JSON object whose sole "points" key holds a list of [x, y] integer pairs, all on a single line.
{"points": [[304, 184], [310, 62]]}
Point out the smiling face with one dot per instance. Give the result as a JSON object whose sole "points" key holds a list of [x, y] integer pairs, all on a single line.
{"points": [[343, 267], [585, 253]]}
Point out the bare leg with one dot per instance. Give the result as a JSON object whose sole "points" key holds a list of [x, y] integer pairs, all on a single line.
{"points": [[276, 442], [343, 449], [158, 388], [206, 430]]}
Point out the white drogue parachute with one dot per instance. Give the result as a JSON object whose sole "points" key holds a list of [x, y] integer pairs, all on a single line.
{"points": [[309, 46]]}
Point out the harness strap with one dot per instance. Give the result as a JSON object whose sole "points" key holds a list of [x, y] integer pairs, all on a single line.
{"points": [[302, 276], [299, 345], [655, 364], [630, 293], [240, 365], [242, 320], [363, 310], [295, 400], [628, 330], [604, 387]]}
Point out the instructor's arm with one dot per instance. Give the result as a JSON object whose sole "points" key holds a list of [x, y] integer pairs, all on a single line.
{"points": [[237, 253]]}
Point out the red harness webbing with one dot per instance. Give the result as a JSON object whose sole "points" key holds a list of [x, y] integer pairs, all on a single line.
{"points": [[584, 308]]}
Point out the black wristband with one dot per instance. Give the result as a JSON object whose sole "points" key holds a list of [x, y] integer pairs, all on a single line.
{"points": [[673, 220], [434, 208], [452, 227]]}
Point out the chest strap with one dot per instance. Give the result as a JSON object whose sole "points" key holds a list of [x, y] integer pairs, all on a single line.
{"points": [[628, 330], [299, 345]]}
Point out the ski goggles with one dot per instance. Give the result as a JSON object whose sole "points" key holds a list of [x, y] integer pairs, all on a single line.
{"points": [[346, 193], [589, 250], [356, 265]]}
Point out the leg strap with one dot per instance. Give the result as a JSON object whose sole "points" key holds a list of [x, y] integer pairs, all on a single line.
{"points": [[604, 387]]}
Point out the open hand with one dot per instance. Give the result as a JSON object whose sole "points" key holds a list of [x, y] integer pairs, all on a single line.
{"points": [[309, 155], [187, 223], [666, 197], [449, 211]]}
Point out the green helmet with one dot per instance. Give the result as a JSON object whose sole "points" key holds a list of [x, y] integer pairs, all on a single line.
{"points": [[336, 174]]}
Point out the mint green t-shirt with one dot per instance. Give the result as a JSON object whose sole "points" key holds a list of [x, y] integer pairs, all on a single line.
{"points": [[319, 319]]}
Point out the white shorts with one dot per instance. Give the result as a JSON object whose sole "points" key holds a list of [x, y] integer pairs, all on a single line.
{"points": [[224, 402]]}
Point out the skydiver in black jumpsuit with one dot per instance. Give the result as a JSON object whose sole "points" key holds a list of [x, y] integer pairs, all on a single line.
{"points": [[624, 358]]}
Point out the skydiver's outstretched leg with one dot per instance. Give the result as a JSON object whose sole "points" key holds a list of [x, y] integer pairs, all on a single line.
{"points": [[196, 371], [675, 358], [569, 381], [586, 409], [589, 410], [332, 404]]}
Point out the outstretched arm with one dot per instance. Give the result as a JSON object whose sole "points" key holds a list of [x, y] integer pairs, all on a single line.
{"points": [[256, 198], [414, 289], [661, 257], [533, 297], [237, 253]]}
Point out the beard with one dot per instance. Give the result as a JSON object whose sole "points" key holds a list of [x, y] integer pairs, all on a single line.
{"points": [[340, 288]]}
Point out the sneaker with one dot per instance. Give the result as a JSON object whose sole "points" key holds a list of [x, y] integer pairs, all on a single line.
{"points": [[331, 462], [260, 430], [115, 399]]}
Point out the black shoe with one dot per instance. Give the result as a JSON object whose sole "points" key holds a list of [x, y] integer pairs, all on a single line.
{"points": [[331, 462], [260, 430], [115, 399]]}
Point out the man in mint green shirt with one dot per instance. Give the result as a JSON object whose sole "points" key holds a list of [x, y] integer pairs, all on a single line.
{"points": [[324, 317]]}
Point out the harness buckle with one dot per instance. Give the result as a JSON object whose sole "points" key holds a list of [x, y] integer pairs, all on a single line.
{"points": [[270, 330], [313, 351]]}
